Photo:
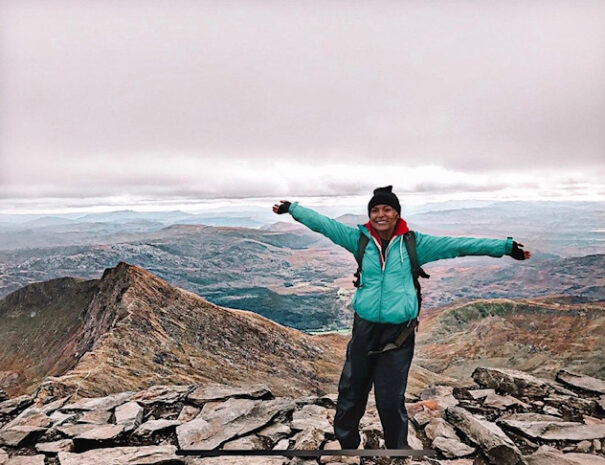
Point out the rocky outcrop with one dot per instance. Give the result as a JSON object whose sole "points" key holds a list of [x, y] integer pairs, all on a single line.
{"points": [[459, 422]]}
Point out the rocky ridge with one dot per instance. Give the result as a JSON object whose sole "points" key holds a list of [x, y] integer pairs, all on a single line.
{"points": [[499, 417]]}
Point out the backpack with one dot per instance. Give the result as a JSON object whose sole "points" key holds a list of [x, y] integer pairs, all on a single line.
{"points": [[410, 244]]}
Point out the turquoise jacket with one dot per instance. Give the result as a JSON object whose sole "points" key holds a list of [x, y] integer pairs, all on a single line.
{"points": [[386, 293]]}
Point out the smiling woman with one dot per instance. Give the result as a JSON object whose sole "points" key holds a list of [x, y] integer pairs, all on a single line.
{"points": [[386, 306]]}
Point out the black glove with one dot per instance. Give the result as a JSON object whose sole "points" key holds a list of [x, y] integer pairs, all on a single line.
{"points": [[517, 253], [283, 208]]}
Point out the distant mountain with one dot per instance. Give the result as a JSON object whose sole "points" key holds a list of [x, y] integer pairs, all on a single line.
{"points": [[295, 277]]}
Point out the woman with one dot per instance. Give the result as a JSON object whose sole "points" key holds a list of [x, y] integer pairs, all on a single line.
{"points": [[386, 305]]}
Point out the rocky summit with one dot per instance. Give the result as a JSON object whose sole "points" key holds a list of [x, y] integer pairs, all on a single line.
{"points": [[499, 417]]}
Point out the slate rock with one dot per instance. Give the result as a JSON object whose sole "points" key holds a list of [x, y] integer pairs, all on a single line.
{"points": [[546, 455], [54, 447], [252, 442], [30, 418], [503, 402], [229, 419], [516, 383], [494, 443], [345, 459], [584, 382], [436, 390], [528, 416], [188, 413], [478, 394], [571, 403], [438, 427], [59, 418], [149, 428], [71, 430], [555, 430], [309, 439], [275, 432], [413, 441], [11, 406], [213, 392], [100, 436], [95, 417], [130, 415], [99, 403], [20, 435], [162, 394], [235, 460], [311, 416], [146, 455], [452, 448], [26, 460]]}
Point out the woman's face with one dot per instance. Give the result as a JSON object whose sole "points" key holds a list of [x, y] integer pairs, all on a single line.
{"points": [[383, 218]]}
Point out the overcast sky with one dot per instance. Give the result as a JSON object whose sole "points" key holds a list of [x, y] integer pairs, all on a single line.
{"points": [[124, 102]]}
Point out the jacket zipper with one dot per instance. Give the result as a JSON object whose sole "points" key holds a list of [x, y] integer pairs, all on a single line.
{"points": [[384, 264]]}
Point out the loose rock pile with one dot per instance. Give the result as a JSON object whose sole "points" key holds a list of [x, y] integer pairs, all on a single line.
{"points": [[501, 417]]}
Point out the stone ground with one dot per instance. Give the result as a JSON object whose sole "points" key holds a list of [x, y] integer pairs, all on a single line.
{"points": [[498, 417]]}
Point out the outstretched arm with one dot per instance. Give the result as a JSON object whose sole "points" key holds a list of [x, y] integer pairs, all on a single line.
{"points": [[340, 234], [431, 248]]}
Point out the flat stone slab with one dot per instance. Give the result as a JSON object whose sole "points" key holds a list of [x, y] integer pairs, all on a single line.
{"points": [[164, 394], [480, 393], [11, 406], [96, 417], [129, 414], [71, 430], [153, 426], [146, 455], [100, 436], [275, 432], [516, 383], [217, 392], [54, 447], [26, 460], [528, 416], [219, 422], [494, 443], [311, 416], [246, 443], [438, 427], [503, 402], [452, 448], [19, 435], [584, 382], [31, 418], [556, 430], [546, 455], [99, 403], [309, 439]]}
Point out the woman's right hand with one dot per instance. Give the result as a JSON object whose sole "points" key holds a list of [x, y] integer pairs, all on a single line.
{"points": [[283, 207]]}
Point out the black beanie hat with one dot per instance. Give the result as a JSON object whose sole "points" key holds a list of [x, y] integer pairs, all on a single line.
{"points": [[384, 196]]}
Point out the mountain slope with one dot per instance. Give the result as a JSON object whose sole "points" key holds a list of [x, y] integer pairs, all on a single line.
{"points": [[538, 335], [131, 329]]}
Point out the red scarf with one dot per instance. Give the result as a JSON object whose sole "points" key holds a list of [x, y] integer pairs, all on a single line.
{"points": [[400, 229]]}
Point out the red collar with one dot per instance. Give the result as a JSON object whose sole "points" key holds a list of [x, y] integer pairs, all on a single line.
{"points": [[400, 229]]}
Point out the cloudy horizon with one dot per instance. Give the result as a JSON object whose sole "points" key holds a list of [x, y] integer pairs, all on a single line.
{"points": [[108, 105]]}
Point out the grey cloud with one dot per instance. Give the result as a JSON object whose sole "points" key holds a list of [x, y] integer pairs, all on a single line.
{"points": [[507, 87]]}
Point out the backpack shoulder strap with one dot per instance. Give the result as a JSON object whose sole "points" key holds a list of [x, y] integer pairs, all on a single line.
{"points": [[362, 243], [410, 244]]}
